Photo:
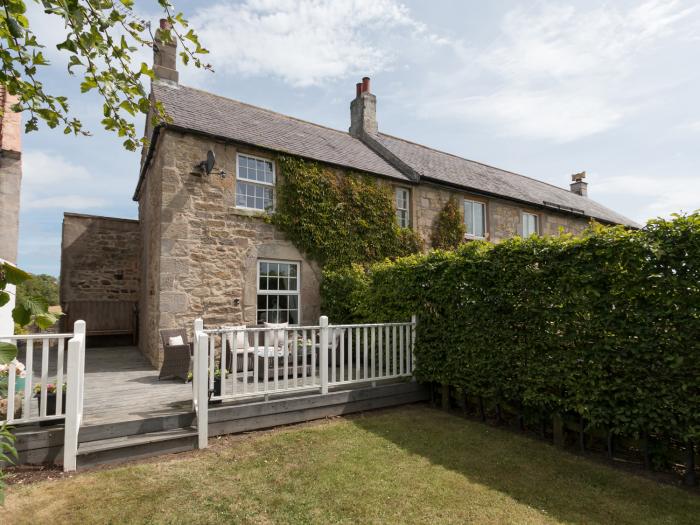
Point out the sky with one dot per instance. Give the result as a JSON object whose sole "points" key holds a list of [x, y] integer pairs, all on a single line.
{"points": [[542, 88]]}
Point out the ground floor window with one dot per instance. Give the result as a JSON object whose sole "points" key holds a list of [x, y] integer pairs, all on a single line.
{"points": [[278, 292]]}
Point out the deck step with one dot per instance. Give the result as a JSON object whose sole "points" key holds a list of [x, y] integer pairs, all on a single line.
{"points": [[125, 448]]}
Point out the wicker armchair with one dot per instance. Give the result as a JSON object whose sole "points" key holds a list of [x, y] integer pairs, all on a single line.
{"points": [[177, 359]]}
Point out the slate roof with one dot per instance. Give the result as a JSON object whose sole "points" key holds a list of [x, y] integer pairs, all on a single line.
{"points": [[204, 112], [215, 115], [445, 167]]}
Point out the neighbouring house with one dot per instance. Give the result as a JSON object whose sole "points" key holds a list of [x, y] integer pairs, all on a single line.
{"points": [[10, 183], [204, 248]]}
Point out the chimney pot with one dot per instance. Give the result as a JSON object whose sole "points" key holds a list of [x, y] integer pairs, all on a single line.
{"points": [[365, 84], [358, 87], [165, 25]]}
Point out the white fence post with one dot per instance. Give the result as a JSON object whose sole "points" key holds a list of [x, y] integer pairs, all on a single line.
{"points": [[323, 354], [414, 321], [74, 394], [201, 382]]}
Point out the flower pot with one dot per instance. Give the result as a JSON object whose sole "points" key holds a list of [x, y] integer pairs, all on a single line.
{"points": [[51, 408], [18, 407], [216, 391], [19, 384]]}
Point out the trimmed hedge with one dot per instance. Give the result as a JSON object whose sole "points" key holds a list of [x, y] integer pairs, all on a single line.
{"points": [[605, 326]]}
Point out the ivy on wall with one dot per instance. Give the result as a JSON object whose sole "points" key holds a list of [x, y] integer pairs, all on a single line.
{"points": [[449, 228], [338, 219], [604, 327]]}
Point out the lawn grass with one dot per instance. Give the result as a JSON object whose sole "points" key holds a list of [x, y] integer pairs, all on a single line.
{"points": [[409, 465]]}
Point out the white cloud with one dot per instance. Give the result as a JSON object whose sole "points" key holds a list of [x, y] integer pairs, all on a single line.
{"points": [[51, 181], [303, 42], [642, 196], [561, 73]]}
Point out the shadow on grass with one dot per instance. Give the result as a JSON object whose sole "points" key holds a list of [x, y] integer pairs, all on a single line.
{"points": [[564, 486]]}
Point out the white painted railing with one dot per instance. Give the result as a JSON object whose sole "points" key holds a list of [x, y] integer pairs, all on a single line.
{"points": [[238, 363], [75, 394], [48, 363]]}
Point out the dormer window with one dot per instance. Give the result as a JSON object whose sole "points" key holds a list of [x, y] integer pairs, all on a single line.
{"points": [[255, 182]]}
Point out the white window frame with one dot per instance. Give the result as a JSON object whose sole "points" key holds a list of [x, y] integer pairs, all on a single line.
{"points": [[296, 292], [537, 223], [407, 209], [255, 183], [483, 218]]}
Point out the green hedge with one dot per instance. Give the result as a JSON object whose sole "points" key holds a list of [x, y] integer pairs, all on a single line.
{"points": [[605, 326]]}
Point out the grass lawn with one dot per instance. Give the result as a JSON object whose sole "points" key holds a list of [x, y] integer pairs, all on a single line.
{"points": [[409, 465]]}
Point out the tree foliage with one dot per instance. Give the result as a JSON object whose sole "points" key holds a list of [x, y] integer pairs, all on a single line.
{"points": [[42, 287], [449, 229], [605, 327], [337, 219], [100, 40]]}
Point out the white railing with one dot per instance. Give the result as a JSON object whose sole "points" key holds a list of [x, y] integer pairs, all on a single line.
{"points": [[35, 376], [238, 363], [75, 393]]}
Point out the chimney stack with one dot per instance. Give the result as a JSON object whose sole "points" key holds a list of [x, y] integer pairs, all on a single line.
{"points": [[578, 185], [363, 110], [165, 54]]}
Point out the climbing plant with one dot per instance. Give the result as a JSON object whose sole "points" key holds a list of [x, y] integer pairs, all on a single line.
{"points": [[338, 219], [449, 227]]}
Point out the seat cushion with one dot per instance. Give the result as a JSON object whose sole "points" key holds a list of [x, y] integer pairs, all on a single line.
{"points": [[175, 341], [269, 337], [241, 339]]}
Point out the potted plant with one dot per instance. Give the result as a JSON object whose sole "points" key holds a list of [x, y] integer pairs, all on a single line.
{"points": [[20, 376], [52, 390], [217, 383]]}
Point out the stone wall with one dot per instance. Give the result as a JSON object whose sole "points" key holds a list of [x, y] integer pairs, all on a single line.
{"points": [[209, 249], [99, 258], [503, 218], [10, 181]]}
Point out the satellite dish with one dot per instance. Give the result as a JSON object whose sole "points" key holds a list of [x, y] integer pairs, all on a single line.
{"points": [[211, 160]]}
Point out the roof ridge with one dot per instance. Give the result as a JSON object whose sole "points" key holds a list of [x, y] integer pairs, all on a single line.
{"points": [[479, 162], [273, 112]]}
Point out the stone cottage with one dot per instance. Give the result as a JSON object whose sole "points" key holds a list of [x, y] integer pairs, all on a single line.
{"points": [[205, 248]]}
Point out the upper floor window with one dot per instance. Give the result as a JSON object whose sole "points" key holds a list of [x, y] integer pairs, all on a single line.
{"points": [[531, 224], [255, 181], [403, 210], [475, 219]]}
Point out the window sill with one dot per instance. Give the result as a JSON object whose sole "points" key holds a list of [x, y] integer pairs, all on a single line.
{"points": [[251, 212]]}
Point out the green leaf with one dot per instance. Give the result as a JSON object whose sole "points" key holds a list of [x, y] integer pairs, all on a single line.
{"points": [[8, 352], [21, 315], [4, 298], [14, 275]]}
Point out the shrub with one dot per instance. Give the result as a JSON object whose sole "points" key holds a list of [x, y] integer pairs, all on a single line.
{"points": [[449, 229], [605, 327]]}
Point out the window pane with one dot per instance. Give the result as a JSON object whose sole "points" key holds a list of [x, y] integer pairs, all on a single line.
{"points": [[293, 317], [293, 302], [282, 302], [293, 283], [272, 283], [469, 217], [262, 302], [282, 283], [263, 268], [293, 270], [479, 219]]}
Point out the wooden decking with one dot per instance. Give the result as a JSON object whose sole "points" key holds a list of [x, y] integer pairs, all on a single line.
{"points": [[121, 385]]}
